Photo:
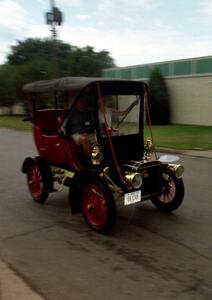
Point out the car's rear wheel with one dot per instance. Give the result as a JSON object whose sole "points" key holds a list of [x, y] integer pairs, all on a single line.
{"points": [[98, 205], [171, 195], [36, 183]]}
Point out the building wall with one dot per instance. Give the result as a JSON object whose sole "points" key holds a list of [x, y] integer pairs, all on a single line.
{"points": [[191, 100], [17, 109], [189, 82]]}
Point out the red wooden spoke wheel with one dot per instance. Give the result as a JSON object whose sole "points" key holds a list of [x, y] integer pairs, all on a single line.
{"points": [[36, 184], [98, 206]]}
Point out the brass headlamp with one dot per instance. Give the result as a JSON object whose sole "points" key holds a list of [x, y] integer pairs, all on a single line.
{"points": [[134, 180], [177, 170]]}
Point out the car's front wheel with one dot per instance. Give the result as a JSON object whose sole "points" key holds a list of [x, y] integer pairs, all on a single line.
{"points": [[171, 195], [98, 205]]}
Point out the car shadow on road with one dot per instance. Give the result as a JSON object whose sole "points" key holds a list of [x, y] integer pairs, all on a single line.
{"points": [[140, 217]]}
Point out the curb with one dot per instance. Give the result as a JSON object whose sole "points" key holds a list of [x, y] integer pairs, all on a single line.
{"points": [[13, 287], [192, 153]]}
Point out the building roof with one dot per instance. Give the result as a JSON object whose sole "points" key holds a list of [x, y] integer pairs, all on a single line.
{"points": [[183, 67]]}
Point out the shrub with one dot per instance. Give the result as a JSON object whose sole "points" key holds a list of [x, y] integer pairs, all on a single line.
{"points": [[159, 99]]}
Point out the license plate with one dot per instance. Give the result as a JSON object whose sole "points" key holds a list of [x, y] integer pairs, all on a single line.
{"points": [[132, 197]]}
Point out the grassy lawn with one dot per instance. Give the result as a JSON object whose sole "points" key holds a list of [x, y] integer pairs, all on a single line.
{"points": [[187, 137], [14, 122]]}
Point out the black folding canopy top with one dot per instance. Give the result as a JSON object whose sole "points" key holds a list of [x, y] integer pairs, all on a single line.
{"points": [[79, 83]]}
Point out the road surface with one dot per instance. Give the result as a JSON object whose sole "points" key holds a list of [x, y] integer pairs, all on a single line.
{"points": [[149, 254]]}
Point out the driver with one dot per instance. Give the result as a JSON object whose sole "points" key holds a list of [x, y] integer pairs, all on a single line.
{"points": [[79, 125]]}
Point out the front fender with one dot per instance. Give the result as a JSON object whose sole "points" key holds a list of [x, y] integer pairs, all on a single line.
{"points": [[75, 187], [44, 168], [27, 162]]}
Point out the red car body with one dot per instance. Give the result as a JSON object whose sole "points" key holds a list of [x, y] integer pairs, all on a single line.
{"points": [[119, 161]]}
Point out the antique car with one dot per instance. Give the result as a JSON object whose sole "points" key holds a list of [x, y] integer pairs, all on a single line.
{"points": [[96, 147]]}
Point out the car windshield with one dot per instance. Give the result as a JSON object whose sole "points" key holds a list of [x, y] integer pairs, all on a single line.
{"points": [[121, 113]]}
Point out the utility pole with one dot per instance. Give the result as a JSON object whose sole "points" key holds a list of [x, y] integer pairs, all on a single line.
{"points": [[53, 18]]}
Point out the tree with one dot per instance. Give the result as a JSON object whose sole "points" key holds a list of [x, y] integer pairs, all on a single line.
{"points": [[31, 49], [34, 59], [159, 99], [70, 60], [13, 78], [9, 86], [87, 62]]}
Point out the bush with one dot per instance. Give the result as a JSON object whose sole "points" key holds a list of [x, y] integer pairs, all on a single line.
{"points": [[159, 99]]}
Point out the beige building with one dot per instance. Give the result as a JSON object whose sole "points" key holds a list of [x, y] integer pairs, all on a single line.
{"points": [[189, 82]]}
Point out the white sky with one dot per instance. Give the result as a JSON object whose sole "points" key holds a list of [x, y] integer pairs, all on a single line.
{"points": [[133, 31]]}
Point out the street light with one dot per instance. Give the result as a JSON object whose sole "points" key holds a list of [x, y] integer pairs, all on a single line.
{"points": [[53, 18]]}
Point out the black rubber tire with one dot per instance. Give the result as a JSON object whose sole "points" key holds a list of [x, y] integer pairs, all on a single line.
{"points": [[172, 194], [98, 205]]}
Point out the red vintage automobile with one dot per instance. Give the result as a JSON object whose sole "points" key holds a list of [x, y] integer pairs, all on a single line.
{"points": [[89, 133]]}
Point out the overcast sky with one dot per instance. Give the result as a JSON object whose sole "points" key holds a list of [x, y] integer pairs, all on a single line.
{"points": [[133, 31]]}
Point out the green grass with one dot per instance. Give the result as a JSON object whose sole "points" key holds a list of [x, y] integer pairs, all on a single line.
{"points": [[14, 122], [185, 137]]}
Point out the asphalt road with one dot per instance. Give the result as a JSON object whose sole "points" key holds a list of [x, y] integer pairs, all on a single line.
{"points": [[149, 254]]}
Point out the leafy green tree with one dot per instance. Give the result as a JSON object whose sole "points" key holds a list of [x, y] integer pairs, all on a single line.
{"points": [[36, 69], [86, 62], [8, 86], [31, 49], [159, 99], [38, 59], [66, 59]]}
